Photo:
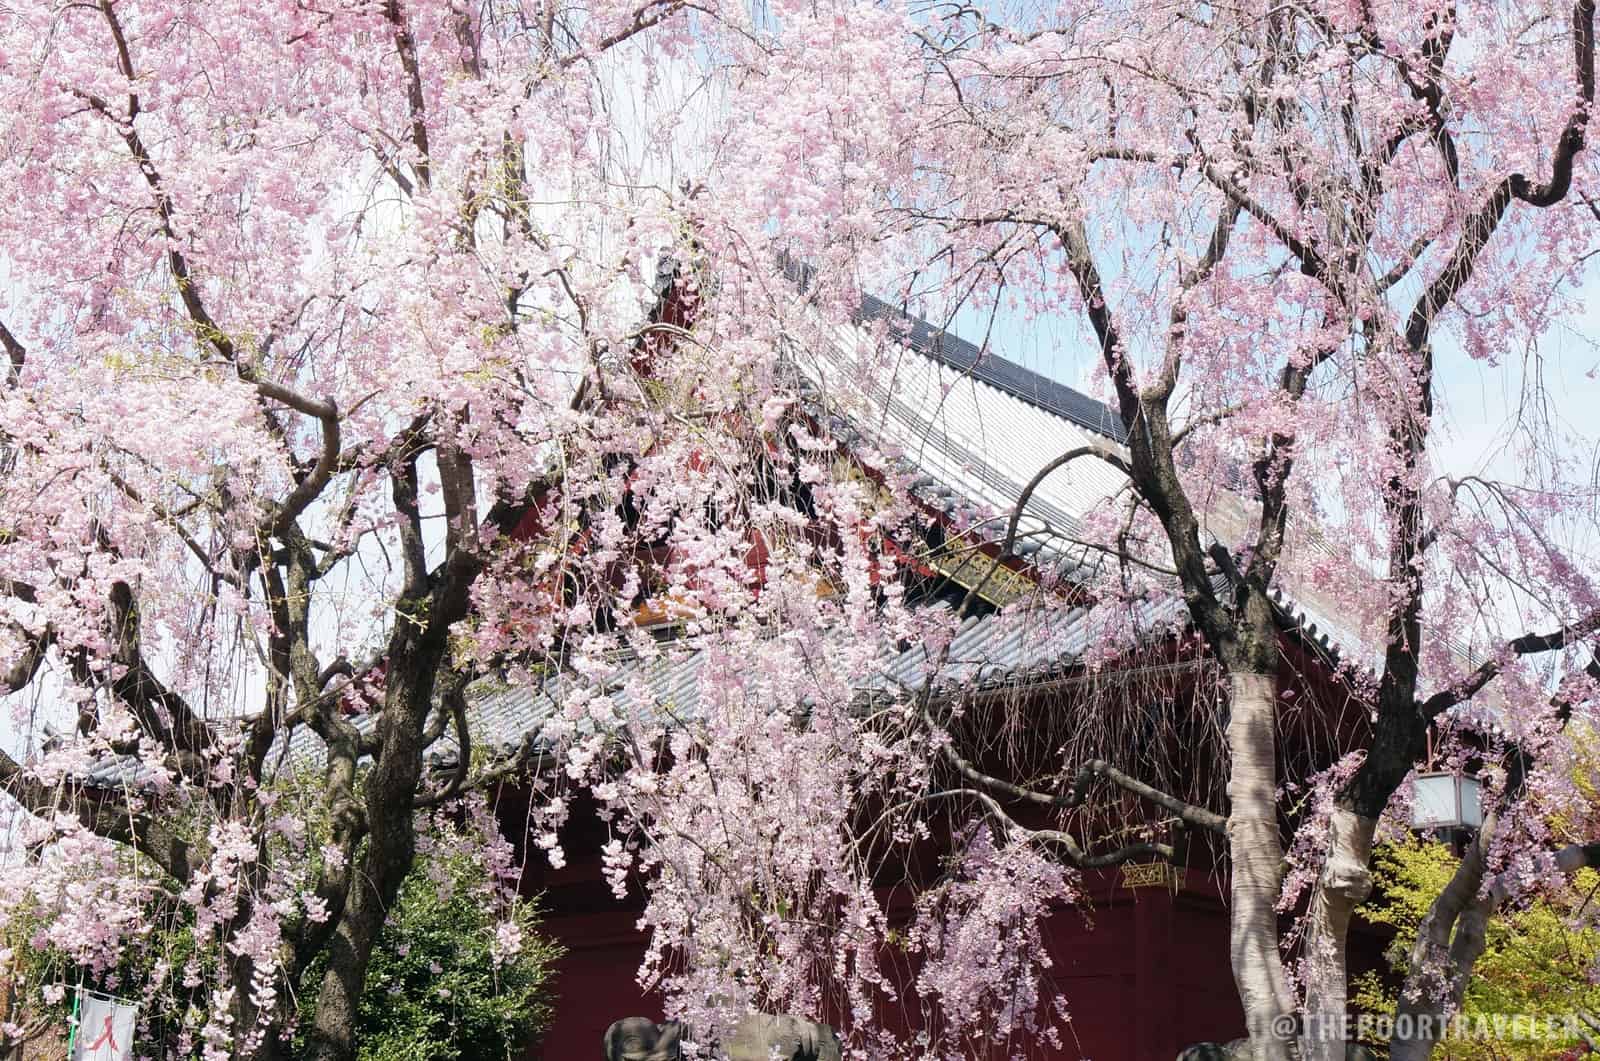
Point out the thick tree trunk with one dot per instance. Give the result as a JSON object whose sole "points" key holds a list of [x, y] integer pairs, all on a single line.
{"points": [[333, 1033], [1255, 852], [1344, 884], [1451, 939], [390, 848], [1449, 942]]}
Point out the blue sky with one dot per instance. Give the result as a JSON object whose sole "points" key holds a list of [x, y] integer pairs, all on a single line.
{"points": [[1478, 401]]}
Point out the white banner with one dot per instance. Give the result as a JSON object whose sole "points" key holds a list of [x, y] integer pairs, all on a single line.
{"points": [[105, 1030]]}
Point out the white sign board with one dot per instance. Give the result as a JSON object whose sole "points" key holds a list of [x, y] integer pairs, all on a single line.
{"points": [[105, 1030]]}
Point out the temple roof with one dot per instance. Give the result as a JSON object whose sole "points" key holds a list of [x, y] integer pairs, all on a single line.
{"points": [[1009, 378], [999, 650], [971, 429], [953, 352]]}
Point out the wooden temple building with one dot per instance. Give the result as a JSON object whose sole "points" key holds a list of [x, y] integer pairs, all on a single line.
{"points": [[1143, 963]]}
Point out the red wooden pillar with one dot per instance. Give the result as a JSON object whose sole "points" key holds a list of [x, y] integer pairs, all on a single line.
{"points": [[1154, 1013]]}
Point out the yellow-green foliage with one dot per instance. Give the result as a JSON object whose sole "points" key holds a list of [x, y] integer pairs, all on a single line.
{"points": [[1536, 963]]}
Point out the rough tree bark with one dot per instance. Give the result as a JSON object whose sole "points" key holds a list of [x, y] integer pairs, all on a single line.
{"points": [[1255, 850], [1342, 886]]}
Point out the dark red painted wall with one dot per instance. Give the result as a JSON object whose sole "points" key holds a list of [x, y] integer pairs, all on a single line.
{"points": [[595, 983], [1144, 973]]}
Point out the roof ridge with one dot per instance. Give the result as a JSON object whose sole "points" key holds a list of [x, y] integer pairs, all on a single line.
{"points": [[984, 365], [1020, 382]]}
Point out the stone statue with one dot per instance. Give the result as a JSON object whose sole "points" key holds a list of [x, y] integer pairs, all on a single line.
{"points": [[642, 1039], [753, 1039]]}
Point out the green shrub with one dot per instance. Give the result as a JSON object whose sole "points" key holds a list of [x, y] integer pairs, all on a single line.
{"points": [[435, 990], [1536, 962]]}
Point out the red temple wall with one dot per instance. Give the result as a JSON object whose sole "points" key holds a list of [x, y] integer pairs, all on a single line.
{"points": [[1144, 973]]}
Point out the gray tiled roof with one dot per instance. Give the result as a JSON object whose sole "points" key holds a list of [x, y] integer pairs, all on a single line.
{"points": [[1009, 378], [990, 651], [1018, 646]]}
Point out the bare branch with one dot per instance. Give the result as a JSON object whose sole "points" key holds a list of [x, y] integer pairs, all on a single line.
{"points": [[310, 487], [1072, 851], [16, 354], [1074, 239], [405, 489], [653, 13], [406, 45], [161, 513], [1216, 250], [1409, 258], [1526, 645], [1086, 775], [1574, 134], [1459, 269], [455, 700]]}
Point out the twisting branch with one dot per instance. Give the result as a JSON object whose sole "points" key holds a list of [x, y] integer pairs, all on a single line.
{"points": [[1104, 453], [1575, 133], [1072, 851], [1087, 773], [455, 701], [310, 487], [1178, 322]]}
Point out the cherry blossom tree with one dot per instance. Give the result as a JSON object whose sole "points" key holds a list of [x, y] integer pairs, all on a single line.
{"points": [[309, 311], [358, 354], [1278, 222], [1297, 235]]}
